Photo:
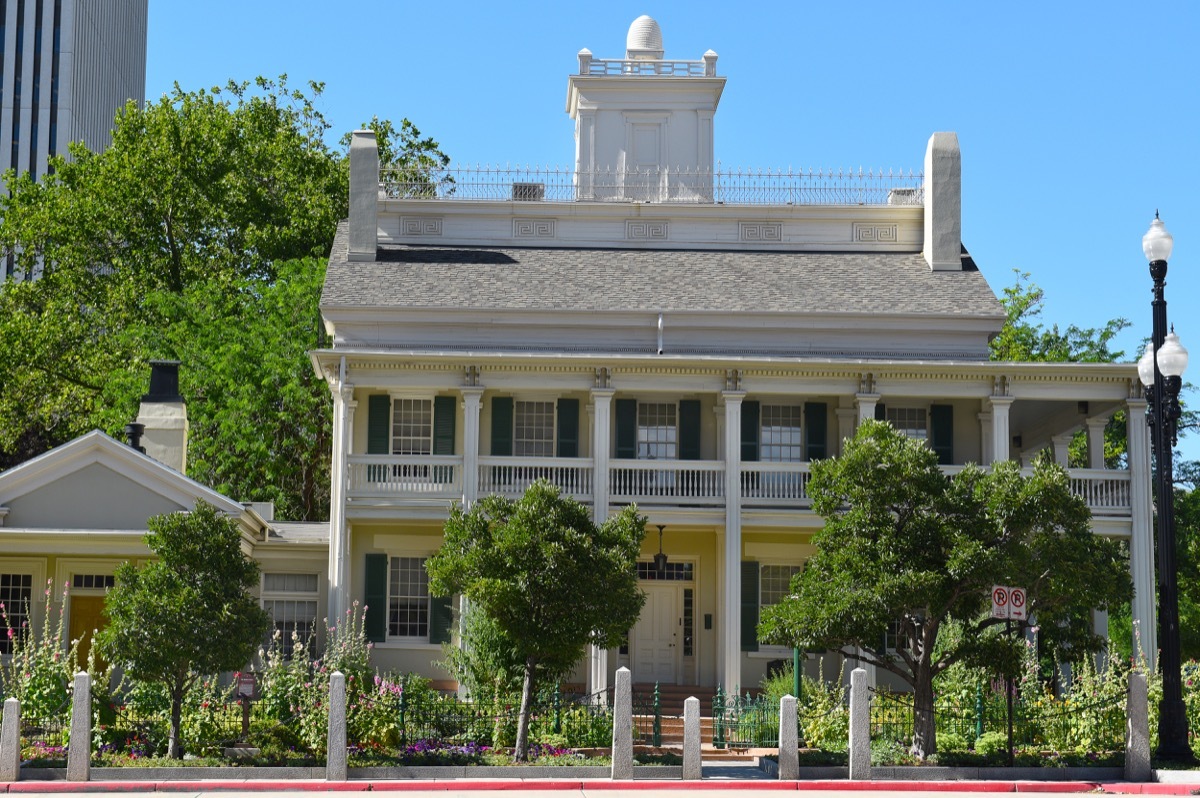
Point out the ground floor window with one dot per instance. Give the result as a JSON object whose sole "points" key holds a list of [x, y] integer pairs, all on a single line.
{"points": [[290, 600], [775, 583], [16, 595], [408, 598]]}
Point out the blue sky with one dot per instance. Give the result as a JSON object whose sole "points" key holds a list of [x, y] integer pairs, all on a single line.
{"points": [[1076, 121]]}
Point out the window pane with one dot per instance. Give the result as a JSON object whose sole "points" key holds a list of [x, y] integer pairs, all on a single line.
{"points": [[657, 431], [781, 425], [408, 598], [289, 583], [533, 429], [16, 593], [412, 426], [293, 621], [774, 582], [909, 420]]}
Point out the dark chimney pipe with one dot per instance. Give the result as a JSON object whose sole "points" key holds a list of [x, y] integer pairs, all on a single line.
{"points": [[164, 382], [134, 432]]}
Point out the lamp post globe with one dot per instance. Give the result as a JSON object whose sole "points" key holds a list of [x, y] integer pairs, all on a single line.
{"points": [[1161, 369]]}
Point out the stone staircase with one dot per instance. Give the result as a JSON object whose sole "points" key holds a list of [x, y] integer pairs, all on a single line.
{"points": [[671, 698]]}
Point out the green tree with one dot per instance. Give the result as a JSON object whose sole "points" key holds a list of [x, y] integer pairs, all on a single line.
{"points": [[1024, 339], [187, 613], [171, 234], [546, 575], [907, 547]]}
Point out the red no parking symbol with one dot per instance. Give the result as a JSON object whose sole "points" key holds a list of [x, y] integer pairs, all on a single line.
{"points": [[1016, 600], [1000, 608]]}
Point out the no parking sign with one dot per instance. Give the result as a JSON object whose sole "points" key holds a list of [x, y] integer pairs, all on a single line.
{"points": [[1008, 602]]}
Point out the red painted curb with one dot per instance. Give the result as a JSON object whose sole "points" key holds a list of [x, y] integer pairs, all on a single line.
{"points": [[79, 786], [1057, 786]]}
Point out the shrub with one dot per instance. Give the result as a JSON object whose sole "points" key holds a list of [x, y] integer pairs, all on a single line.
{"points": [[992, 743]]}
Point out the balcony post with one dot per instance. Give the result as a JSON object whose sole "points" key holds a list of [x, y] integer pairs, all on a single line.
{"points": [[866, 405], [339, 532], [731, 623], [601, 437], [1062, 448], [1095, 441], [1001, 440], [1141, 542], [472, 398]]}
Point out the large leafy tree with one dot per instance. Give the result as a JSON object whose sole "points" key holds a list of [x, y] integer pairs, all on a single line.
{"points": [[548, 579], [907, 547], [187, 613], [176, 237]]}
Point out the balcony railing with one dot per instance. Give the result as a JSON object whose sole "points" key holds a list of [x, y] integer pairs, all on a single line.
{"points": [[685, 483], [665, 185]]}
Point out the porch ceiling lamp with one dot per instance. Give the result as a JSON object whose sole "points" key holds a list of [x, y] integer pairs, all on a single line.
{"points": [[660, 559], [1161, 370]]}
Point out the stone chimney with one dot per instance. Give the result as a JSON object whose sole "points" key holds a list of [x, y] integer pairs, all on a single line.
{"points": [[164, 416], [943, 203], [364, 195]]}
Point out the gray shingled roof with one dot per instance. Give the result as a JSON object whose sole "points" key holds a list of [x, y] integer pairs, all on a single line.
{"points": [[514, 278]]}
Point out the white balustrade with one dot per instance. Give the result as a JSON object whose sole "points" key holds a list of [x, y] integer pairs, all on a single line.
{"points": [[510, 476], [667, 481], [423, 476], [1107, 492], [775, 484]]}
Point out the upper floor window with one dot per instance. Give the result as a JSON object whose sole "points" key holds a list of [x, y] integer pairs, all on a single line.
{"points": [[657, 431], [412, 426], [780, 436], [911, 421], [533, 429], [933, 424]]}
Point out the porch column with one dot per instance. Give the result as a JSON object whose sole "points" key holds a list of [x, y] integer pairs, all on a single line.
{"points": [[472, 401], [339, 536], [601, 419], [1141, 542], [1062, 448], [1095, 441], [1001, 435], [731, 626], [866, 405], [985, 439], [846, 416]]}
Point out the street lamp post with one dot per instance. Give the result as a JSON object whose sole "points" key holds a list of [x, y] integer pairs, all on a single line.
{"points": [[1161, 370]]}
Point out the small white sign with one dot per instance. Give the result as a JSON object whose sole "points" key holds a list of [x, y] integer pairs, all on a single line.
{"points": [[1000, 601], [1016, 604]]}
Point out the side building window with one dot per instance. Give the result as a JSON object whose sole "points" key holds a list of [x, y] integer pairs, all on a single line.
{"points": [[291, 601], [763, 585], [16, 595], [399, 607]]}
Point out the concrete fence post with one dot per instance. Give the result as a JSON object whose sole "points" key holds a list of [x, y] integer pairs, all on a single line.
{"points": [[335, 744], [693, 767], [1137, 730], [79, 744], [860, 726], [10, 742], [789, 740], [622, 743]]}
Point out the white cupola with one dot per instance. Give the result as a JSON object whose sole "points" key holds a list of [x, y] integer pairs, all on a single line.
{"points": [[644, 123]]}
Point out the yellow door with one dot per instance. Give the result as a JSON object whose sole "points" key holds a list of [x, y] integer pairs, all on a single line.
{"points": [[87, 616]]}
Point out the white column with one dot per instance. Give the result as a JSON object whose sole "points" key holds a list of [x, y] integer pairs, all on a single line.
{"points": [[985, 439], [339, 537], [1095, 441], [846, 418], [1141, 543], [1001, 437], [472, 400], [866, 405], [601, 420], [1062, 448], [731, 623]]}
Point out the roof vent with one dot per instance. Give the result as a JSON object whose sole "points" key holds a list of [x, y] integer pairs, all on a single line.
{"points": [[644, 40], [133, 433]]}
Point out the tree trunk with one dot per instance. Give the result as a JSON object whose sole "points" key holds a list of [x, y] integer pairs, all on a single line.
{"points": [[924, 740], [521, 751], [174, 744]]}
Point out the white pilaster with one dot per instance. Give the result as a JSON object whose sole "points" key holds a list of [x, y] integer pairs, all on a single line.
{"points": [[1001, 437], [866, 405], [731, 623], [1141, 543], [846, 418], [471, 402], [985, 438], [1062, 448], [339, 534], [1095, 441], [601, 435]]}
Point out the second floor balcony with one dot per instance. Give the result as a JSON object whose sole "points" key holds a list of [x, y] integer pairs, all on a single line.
{"points": [[397, 480]]}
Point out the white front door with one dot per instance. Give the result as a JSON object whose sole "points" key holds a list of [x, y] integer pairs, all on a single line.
{"points": [[657, 636]]}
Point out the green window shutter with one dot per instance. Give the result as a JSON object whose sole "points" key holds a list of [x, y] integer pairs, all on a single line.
{"points": [[375, 596], [502, 426], [441, 619], [689, 429], [816, 430], [379, 424], [749, 606], [626, 429], [444, 411], [880, 412], [568, 428], [750, 433], [941, 432]]}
